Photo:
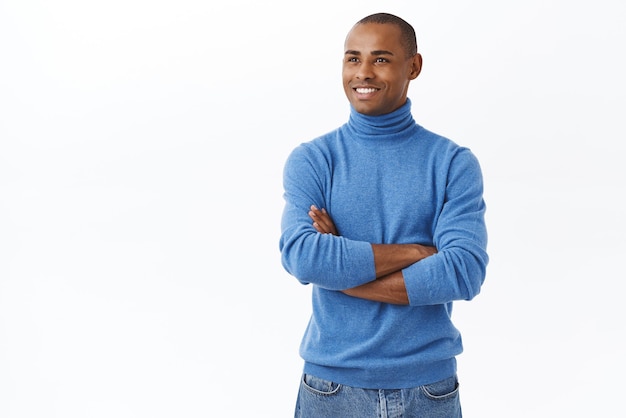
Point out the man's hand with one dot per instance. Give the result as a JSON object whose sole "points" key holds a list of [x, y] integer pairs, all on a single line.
{"points": [[322, 221]]}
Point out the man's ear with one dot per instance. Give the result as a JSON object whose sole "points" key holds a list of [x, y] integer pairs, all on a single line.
{"points": [[416, 66]]}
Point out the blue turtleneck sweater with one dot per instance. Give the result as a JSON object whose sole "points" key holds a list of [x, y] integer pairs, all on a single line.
{"points": [[385, 180]]}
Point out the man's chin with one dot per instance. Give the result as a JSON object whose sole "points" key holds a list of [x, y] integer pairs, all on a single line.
{"points": [[365, 108]]}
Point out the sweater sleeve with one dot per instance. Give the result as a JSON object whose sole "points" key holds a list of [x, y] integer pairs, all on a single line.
{"points": [[331, 262], [458, 270]]}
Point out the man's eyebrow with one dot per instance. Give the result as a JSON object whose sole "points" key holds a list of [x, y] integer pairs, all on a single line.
{"points": [[382, 52], [377, 52]]}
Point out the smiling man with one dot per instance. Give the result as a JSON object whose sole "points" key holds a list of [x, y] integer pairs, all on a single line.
{"points": [[385, 219], [376, 81]]}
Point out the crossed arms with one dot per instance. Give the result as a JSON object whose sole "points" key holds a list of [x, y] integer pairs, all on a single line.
{"points": [[389, 260]]}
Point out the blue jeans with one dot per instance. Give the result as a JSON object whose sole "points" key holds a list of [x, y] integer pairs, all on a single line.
{"points": [[319, 398]]}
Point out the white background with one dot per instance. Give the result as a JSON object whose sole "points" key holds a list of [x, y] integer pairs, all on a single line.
{"points": [[141, 150]]}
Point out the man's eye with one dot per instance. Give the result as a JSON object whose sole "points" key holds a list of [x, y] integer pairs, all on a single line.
{"points": [[381, 60], [353, 59]]}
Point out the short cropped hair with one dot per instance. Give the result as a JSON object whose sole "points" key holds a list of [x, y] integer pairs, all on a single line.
{"points": [[407, 33]]}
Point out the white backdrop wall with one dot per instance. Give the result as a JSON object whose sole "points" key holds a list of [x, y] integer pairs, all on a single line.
{"points": [[141, 151]]}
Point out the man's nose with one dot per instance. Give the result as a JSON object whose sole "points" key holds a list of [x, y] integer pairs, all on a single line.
{"points": [[365, 71]]}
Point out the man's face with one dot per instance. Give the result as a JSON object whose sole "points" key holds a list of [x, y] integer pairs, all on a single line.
{"points": [[376, 70]]}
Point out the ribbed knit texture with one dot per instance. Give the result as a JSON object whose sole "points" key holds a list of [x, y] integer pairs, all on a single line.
{"points": [[384, 179]]}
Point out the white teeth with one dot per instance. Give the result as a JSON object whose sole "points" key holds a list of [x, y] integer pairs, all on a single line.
{"points": [[365, 91]]}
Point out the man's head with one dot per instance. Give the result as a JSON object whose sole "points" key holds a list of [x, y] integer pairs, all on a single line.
{"points": [[379, 62]]}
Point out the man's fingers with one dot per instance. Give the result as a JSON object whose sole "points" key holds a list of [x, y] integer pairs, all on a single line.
{"points": [[322, 222]]}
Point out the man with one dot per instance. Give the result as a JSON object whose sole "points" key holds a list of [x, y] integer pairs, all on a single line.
{"points": [[386, 220]]}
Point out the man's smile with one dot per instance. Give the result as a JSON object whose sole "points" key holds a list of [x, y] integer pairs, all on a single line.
{"points": [[365, 90]]}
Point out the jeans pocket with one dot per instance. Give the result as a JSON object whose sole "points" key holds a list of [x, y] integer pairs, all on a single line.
{"points": [[442, 390], [319, 386]]}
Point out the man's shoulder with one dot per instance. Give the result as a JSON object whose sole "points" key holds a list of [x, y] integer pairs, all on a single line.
{"points": [[445, 149], [432, 135], [436, 140], [322, 142]]}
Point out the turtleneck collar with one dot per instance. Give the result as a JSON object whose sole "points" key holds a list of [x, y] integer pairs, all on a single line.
{"points": [[389, 128]]}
